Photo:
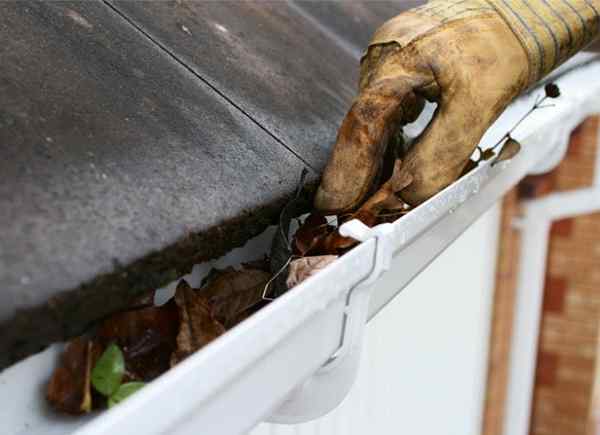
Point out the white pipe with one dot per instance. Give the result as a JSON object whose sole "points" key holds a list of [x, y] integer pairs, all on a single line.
{"points": [[535, 228]]}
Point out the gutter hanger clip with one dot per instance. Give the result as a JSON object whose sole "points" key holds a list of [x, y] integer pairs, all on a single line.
{"points": [[329, 385]]}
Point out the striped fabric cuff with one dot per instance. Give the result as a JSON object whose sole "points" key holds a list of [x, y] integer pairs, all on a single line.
{"points": [[444, 11], [551, 31]]}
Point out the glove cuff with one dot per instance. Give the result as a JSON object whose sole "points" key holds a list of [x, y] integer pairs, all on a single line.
{"points": [[404, 28], [550, 31]]}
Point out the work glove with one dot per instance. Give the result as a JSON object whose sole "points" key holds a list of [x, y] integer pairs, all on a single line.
{"points": [[472, 57]]}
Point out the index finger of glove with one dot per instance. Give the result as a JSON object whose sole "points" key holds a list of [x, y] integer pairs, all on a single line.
{"points": [[361, 142]]}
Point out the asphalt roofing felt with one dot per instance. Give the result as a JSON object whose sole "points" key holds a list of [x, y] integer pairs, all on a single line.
{"points": [[139, 138]]}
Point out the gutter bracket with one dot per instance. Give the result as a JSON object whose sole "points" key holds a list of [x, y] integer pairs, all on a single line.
{"points": [[329, 385]]}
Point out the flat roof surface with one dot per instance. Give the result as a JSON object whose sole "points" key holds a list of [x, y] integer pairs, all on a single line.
{"points": [[140, 138]]}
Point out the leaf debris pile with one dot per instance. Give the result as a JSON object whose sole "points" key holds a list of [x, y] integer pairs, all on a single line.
{"points": [[131, 348]]}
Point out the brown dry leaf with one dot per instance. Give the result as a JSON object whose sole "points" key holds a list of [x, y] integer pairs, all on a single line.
{"points": [[232, 293], [302, 268], [487, 154], [385, 198], [69, 388], [510, 149], [471, 164], [147, 337], [197, 324], [312, 230], [335, 244]]}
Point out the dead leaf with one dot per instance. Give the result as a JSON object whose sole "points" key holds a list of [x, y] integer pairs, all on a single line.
{"points": [[69, 388], [302, 268], [385, 198], [281, 249], [313, 229], [471, 164], [147, 337], [487, 154], [333, 243], [510, 149], [197, 324], [233, 292]]}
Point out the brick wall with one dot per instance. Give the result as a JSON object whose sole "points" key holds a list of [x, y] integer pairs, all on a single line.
{"points": [[568, 345], [569, 330]]}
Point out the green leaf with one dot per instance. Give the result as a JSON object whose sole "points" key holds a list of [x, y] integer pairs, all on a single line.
{"points": [[109, 370], [124, 392]]}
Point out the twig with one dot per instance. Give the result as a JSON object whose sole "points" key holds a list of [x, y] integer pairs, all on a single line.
{"points": [[536, 106], [274, 277], [551, 91]]}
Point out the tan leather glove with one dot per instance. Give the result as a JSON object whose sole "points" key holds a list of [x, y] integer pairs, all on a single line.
{"points": [[472, 57]]}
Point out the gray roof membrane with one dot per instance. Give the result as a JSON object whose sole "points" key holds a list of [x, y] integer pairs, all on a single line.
{"points": [[140, 138]]}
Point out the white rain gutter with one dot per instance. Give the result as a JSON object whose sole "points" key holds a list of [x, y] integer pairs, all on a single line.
{"points": [[243, 377]]}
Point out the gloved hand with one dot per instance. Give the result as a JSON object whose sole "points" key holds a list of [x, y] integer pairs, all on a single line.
{"points": [[471, 57]]}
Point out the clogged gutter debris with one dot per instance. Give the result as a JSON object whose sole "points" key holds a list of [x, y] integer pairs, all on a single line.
{"points": [[133, 347]]}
